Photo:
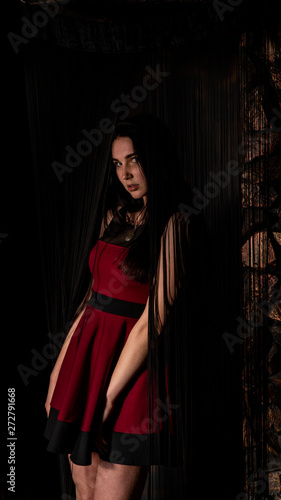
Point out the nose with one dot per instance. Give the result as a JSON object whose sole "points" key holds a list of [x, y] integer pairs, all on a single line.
{"points": [[126, 174]]}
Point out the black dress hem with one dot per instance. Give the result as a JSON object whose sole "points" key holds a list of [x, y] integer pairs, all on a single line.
{"points": [[122, 447]]}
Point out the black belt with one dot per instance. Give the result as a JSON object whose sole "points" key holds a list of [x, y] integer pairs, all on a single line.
{"points": [[116, 306]]}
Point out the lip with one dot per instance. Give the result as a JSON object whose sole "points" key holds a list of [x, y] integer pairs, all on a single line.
{"points": [[133, 187]]}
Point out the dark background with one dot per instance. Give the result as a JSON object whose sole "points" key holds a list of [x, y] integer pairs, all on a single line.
{"points": [[23, 317], [24, 323]]}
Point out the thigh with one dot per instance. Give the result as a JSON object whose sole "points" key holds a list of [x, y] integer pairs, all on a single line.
{"points": [[84, 478], [119, 482]]}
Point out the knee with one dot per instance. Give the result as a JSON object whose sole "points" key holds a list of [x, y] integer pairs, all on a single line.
{"points": [[84, 478]]}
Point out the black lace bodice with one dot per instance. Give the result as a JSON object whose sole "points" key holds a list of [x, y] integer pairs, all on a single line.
{"points": [[119, 231]]}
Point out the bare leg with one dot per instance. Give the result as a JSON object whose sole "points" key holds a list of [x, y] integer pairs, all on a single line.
{"points": [[119, 482], [84, 477]]}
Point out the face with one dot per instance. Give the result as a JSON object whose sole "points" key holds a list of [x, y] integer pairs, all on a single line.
{"points": [[128, 169]]}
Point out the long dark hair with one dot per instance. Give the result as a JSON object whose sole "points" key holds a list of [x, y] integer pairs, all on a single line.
{"points": [[157, 156]]}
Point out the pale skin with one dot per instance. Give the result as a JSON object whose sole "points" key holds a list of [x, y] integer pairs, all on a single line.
{"points": [[103, 480]]}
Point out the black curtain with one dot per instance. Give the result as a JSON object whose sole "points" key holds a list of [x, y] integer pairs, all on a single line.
{"points": [[196, 95], [75, 88]]}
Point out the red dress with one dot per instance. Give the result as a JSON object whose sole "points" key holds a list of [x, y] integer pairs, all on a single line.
{"points": [[78, 400]]}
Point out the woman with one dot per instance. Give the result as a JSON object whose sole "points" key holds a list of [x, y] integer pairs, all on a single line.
{"points": [[97, 403]]}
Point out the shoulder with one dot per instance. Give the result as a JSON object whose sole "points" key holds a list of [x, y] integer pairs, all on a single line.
{"points": [[176, 224], [110, 214], [105, 222]]}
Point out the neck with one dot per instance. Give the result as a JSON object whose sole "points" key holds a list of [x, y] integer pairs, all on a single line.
{"points": [[136, 217], [145, 200]]}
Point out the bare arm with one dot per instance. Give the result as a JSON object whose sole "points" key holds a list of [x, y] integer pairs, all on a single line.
{"points": [[58, 364], [131, 358], [57, 367], [135, 350], [65, 345], [109, 218], [60, 358]]}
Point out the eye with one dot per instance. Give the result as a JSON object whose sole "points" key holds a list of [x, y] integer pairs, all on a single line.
{"points": [[117, 163], [135, 159]]}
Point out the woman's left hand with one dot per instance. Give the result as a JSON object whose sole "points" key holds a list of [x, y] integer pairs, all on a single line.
{"points": [[108, 409], [100, 441]]}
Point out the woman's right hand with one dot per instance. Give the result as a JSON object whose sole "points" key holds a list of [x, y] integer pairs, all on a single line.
{"points": [[56, 369], [52, 385]]}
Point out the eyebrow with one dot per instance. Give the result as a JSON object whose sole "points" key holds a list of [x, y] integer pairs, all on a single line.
{"points": [[126, 157]]}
